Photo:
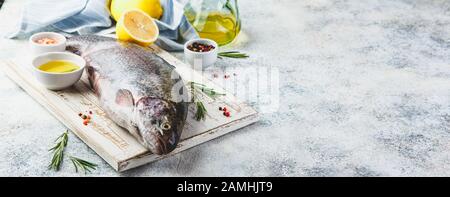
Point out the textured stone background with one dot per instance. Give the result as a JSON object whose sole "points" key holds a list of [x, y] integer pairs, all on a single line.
{"points": [[364, 88]]}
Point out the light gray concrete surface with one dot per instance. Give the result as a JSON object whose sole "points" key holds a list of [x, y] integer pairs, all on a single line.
{"points": [[364, 91]]}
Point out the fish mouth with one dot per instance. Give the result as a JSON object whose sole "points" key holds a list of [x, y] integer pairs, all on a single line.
{"points": [[157, 144], [164, 146], [161, 145]]}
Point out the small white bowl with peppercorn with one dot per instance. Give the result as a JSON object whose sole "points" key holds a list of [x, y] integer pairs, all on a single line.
{"points": [[200, 53]]}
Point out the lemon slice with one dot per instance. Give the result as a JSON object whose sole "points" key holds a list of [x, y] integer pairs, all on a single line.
{"points": [[138, 27]]}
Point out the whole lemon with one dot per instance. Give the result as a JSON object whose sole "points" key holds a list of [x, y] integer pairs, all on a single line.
{"points": [[151, 7]]}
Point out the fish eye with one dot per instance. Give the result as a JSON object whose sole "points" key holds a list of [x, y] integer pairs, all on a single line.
{"points": [[165, 126]]}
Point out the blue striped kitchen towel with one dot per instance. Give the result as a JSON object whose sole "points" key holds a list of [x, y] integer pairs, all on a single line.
{"points": [[80, 17]]}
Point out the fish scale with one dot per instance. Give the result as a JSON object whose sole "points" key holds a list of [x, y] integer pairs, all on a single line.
{"points": [[135, 88]]}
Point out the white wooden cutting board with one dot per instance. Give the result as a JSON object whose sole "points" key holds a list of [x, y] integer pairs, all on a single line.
{"points": [[112, 142]]}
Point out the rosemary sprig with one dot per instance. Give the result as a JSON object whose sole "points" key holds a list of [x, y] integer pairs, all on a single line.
{"points": [[58, 156], [232, 54], [58, 151], [208, 91], [83, 165], [198, 88]]}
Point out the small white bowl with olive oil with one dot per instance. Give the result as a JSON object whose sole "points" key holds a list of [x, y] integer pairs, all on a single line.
{"points": [[58, 70]]}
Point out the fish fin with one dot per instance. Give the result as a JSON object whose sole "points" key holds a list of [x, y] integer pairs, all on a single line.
{"points": [[134, 131], [75, 48], [124, 98]]}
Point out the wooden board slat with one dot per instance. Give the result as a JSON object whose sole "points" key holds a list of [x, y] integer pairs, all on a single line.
{"points": [[113, 143]]}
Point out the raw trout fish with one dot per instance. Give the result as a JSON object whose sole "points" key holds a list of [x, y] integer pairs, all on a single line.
{"points": [[135, 89]]}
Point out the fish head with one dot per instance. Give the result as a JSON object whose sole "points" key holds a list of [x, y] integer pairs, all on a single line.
{"points": [[158, 124]]}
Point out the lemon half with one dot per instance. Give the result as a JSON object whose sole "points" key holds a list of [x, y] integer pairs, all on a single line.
{"points": [[151, 7], [138, 27]]}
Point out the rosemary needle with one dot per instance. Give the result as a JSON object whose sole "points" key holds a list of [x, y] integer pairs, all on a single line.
{"points": [[232, 54], [201, 111], [208, 91]]}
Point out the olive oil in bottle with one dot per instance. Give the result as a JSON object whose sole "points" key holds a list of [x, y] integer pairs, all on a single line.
{"points": [[221, 25]]}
